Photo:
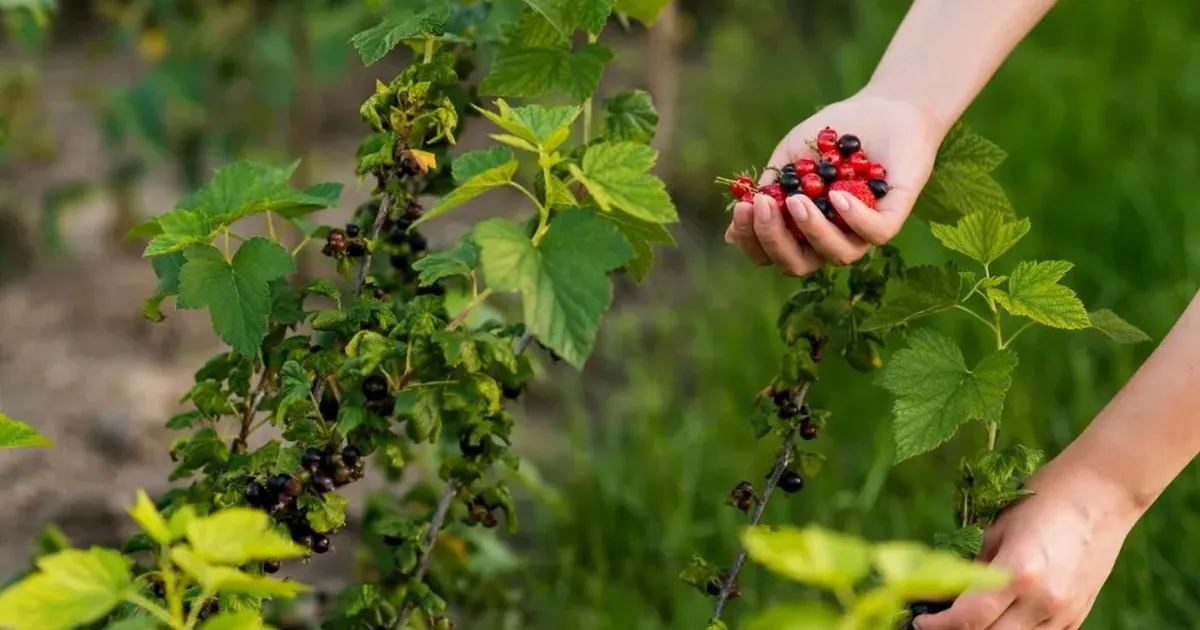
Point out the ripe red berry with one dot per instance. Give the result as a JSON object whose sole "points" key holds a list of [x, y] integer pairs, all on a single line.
{"points": [[827, 140], [833, 157], [860, 162], [859, 189], [804, 166], [774, 191], [741, 188], [875, 170], [846, 172], [791, 226], [812, 185]]}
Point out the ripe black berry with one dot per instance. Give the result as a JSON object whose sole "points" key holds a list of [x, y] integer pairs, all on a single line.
{"points": [[158, 589], [511, 393], [350, 455], [433, 289], [352, 230], [781, 397], [417, 241], [791, 482], [848, 145], [356, 249], [328, 250], [822, 204], [879, 188], [277, 483], [789, 182], [490, 521], [790, 167], [320, 543], [375, 387], [827, 171], [329, 408], [256, 494], [713, 587], [928, 608], [311, 458], [322, 483], [789, 410], [808, 431], [272, 566], [468, 449]]}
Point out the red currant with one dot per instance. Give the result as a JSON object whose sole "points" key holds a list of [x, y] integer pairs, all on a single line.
{"points": [[860, 162], [812, 185], [846, 172], [774, 191], [833, 157], [876, 171], [804, 166], [827, 140]]}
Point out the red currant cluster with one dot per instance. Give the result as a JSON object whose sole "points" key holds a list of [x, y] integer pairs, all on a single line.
{"points": [[842, 166]]}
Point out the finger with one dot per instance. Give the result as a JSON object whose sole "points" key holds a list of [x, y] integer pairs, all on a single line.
{"points": [[826, 238], [970, 612], [743, 234], [780, 245], [872, 226], [1022, 615]]}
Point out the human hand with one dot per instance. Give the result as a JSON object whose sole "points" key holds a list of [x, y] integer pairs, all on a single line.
{"points": [[1060, 545], [894, 133]]}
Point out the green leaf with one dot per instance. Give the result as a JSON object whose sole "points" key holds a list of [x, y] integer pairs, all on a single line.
{"points": [[180, 229], [812, 616], [294, 387], [17, 434], [71, 588], [474, 163], [245, 188], [532, 72], [590, 15], [916, 572], [1112, 326], [546, 128], [927, 290], [228, 580], [630, 116], [239, 535], [494, 177], [641, 236], [460, 261], [564, 281], [617, 176], [644, 11], [146, 515], [967, 541], [327, 513], [552, 12], [982, 236], [180, 519], [964, 147], [377, 41], [236, 293], [936, 393], [957, 189], [244, 620], [142, 622], [1034, 292], [813, 555]]}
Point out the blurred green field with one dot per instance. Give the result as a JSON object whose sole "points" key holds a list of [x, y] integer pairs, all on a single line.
{"points": [[1097, 110]]}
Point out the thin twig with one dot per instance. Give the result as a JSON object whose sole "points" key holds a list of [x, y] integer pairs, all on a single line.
{"points": [[252, 406], [443, 508], [781, 464]]}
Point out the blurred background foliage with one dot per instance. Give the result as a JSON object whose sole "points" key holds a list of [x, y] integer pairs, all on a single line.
{"points": [[1097, 111]]}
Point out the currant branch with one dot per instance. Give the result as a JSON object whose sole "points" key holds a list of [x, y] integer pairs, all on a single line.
{"points": [[781, 464]]}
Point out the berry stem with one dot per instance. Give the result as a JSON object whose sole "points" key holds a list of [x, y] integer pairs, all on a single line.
{"points": [[466, 312], [271, 227], [781, 464], [252, 405], [153, 609], [299, 248], [197, 606], [531, 196]]}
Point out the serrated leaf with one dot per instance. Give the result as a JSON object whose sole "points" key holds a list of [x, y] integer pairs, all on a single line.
{"points": [[936, 393], [590, 15], [552, 12], [494, 177], [179, 229], [460, 261], [325, 287], [543, 127], [617, 176], [563, 282], [982, 236], [294, 387], [927, 290], [967, 541], [326, 513], [956, 190], [243, 620], [916, 572], [1115, 328], [246, 188], [146, 515], [237, 293], [644, 11], [239, 535], [813, 555], [228, 580], [641, 236], [71, 588], [965, 147], [17, 434], [141, 622], [529, 72], [472, 164], [376, 42], [630, 116], [1034, 292], [812, 616]]}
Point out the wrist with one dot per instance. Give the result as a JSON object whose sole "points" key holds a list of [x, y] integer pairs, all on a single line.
{"points": [[1108, 493], [938, 119]]}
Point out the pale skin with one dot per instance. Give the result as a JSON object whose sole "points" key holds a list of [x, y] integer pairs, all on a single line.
{"points": [[1061, 543]]}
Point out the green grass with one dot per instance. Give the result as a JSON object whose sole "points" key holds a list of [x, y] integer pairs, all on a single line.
{"points": [[1097, 110]]}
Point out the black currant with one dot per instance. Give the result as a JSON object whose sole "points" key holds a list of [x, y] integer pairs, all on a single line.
{"points": [[356, 249], [375, 387], [311, 458], [292, 488], [789, 410], [468, 449], [789, 182], [433, 289], [822, 204], [827, 171], [713, 587], [277, 483], [790, 167], [322, 483], [320, 543], [490, 521], [272, 566], [350, 455], [781, 397], [808, 431], [418, 242], [329, 408], [928, 608], [848, 145], [352, 230], [328, 250], [256, 494], [879, 188], [511, 393], [158, 589], [791, 482]]}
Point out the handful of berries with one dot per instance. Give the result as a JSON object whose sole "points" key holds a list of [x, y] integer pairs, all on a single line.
{"points": [[842, 166]]}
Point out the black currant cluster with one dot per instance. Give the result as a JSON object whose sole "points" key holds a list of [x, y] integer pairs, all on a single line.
{"points": [[403, 247], [916, 609], [743, 496], [480, 512], [347, 243], [716, 582]]}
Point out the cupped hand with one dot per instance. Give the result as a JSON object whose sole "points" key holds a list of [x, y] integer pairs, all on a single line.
{"points": [[894, 133], [1059, 544]]}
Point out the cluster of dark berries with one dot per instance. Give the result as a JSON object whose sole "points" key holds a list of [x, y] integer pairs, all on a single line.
{"points": [[377, 392], [717, 582], [743, 496], [842, 166], [785, 402], [345, 243], [480, 512], [471, 450], [916, 609]]}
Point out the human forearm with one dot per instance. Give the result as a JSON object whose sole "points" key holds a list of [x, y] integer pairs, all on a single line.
{"points": [[946, 50], [1150, 431]]}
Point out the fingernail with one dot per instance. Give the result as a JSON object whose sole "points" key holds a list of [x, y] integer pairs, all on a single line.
{"points": [[762, 211], [798, 208], [840, 200], [741, 218]]}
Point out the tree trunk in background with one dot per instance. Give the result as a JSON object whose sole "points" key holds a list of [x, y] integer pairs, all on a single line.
{"points": [[663, 47]]}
